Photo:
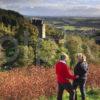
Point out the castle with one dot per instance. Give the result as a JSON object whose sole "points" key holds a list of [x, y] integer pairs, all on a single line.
{"points": [[41, 27]]}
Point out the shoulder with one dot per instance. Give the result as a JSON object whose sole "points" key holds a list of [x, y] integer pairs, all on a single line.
{"points": [[84, 63], [60, 63]]}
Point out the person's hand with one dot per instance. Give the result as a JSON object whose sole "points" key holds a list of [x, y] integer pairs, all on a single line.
{"points": [[77, 76]]}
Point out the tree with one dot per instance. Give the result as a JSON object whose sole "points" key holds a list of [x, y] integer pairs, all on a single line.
{"points": [[47, 52], [91, 50], [26, 56], [74, 46]]}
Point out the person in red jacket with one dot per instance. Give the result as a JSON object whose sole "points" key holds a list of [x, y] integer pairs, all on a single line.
{"points": [[64, 74]]}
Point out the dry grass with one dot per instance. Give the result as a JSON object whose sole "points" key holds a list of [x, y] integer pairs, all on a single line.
{"points": [[94, 76], [26, 83], [29, 83]]}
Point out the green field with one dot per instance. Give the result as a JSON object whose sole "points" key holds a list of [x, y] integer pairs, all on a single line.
{"points": [[81, 28], [91, 95], [71, 28]]}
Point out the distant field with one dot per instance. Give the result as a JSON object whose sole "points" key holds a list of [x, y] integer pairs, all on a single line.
{"points": [[72, 28], [71, 24]]}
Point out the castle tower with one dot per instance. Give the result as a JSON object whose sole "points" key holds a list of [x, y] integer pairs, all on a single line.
{"points": [[41, 27]]}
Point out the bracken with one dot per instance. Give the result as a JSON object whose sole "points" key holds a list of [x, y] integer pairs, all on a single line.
{"points": [[32, 82]]}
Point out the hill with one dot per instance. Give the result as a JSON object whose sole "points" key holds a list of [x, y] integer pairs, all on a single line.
{"points": [[12, 22], [13, 25]]}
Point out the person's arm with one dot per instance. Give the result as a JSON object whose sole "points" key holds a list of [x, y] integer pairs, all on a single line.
{"points": [[68, 73]]}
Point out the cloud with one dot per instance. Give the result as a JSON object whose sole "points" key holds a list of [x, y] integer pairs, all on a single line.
{"points": [[54, 7]]}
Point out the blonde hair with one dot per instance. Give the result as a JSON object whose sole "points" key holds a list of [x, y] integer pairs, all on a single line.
{"points": [[66, 55], [82, 56]]}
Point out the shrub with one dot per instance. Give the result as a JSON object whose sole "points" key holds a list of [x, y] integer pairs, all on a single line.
{"points": [[31, 83], [74, 46], [26, 55], [92, 51], [2, 56], [46, 53]]}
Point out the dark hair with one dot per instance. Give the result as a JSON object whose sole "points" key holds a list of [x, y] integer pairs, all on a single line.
{"points": [[62, 57]]}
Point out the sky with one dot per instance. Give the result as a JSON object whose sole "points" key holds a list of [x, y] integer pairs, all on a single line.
{"points": [[81, 8]]}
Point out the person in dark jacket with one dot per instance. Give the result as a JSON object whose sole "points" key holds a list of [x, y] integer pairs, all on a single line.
{"points": [[81, 69], [64, 74]]}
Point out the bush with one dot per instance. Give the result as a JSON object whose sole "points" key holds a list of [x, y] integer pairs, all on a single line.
{"points": [[26, 55], [91, 50], [31, 83], [46, 53], [2, 56], [74, 46]]}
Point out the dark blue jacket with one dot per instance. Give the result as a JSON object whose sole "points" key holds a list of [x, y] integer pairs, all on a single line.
{"points": [[81, 69]]}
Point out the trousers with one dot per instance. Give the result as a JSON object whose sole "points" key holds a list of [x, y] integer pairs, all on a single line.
{"points": [[68, 87], [81, 83]]}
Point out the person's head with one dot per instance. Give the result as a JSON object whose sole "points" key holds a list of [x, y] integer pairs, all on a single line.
{"points": [[81, 57], [64, 57]]}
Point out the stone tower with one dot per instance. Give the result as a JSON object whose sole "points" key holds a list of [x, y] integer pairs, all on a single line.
{"points": [[40, 25]]}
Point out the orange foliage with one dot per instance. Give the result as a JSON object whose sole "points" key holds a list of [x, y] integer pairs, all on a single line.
{"points": [[94, 76], [29, 83]]}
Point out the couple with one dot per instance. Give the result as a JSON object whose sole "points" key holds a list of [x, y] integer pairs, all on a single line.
{"points": [[64, 75]]}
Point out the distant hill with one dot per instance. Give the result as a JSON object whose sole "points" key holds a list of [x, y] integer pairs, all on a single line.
{"points": [[8, 17], [14, 24], [74, 25], [9, 12]]}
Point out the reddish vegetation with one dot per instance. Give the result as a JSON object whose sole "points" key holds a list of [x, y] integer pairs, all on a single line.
{"points": [[94, 76], [27, 83], [33, 82]]}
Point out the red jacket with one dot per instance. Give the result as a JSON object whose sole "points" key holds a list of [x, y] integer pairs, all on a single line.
{"points": [[63, 73]]}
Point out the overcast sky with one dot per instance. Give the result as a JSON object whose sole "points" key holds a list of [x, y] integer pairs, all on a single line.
{"points": [[87, 8]]}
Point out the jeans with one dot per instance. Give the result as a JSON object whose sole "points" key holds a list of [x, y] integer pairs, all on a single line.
{"points": [[68, 87], [81, 83]]}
